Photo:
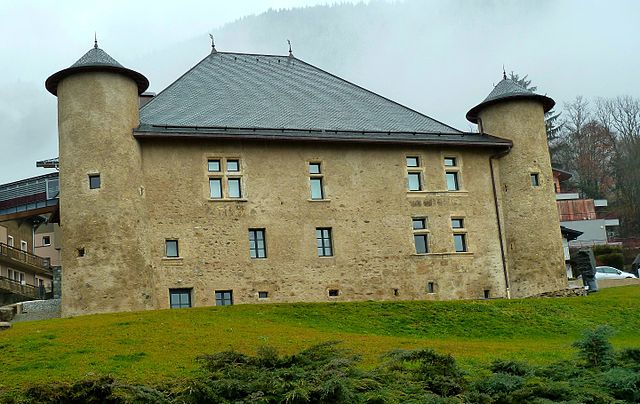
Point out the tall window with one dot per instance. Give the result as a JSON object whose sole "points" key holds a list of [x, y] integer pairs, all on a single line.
{"points": [[323, 238], [179, 298], [224, 297], [414, 173], [316, 181], [225, 178], [171, 249], [459, 234], [257, 247], [420, 235], [535, 179], [10, 241], [452, 173]]}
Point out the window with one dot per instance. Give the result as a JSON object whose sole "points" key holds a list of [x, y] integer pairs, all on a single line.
{"points": [[225, 183], [535, 179], [263, 295], [224, 297], [316, 181], [452, 173], [80, 252], [414, 174], [46, 241], [333, 292], [257, 248], [94, 181], [420, 235], [10, 241], [23, 245], [323, 238], [431, 287], [16, 276], [179, 298], [171, 248], [459, 234]]}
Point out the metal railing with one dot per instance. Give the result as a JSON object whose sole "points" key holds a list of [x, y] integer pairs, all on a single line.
{"points": [[24, 257]]}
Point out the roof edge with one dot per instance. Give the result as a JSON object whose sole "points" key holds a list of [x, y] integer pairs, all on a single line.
{"points": [[547, 104], [51, 84]]}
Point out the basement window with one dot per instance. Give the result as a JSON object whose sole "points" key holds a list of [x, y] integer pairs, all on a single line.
{"points": [[224, 297], [263, 295], [487, 294], [94, 181], [179, 298], [431, 287], [334, 292]]}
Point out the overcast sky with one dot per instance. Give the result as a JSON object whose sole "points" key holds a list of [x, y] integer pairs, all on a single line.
{"points": [[442, 60]]}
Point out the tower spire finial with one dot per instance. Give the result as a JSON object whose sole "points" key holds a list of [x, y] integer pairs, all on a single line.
{"points": [[504, 73], [213, 44], [290, 53], [95, 40]]}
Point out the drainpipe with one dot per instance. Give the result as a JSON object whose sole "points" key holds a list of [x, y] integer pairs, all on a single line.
{"points": [[495, 202]]}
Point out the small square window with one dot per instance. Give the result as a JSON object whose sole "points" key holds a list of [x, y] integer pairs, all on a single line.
{"points": [[224, 297], [457, 223], [94, 181], [535, 179], [450, 161], [171, 248], [314, 168], [263, 295], [413, 161], [233, 165], [419, 223], [452, 181], [46, 241], [80, 252], [460, 241], [414, 182], [179, 298], [334, 292], [214, 166]]}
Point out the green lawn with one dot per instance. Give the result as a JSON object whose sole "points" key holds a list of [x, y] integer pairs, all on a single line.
{"points": [[157, 346]]}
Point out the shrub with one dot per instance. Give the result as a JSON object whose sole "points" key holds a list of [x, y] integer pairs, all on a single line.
{"points": [[623, 384], [615, 260], [594, 346], [606, 249], [510, 367]]}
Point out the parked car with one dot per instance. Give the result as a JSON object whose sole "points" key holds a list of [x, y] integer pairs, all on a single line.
{"points": [[606, 272]]}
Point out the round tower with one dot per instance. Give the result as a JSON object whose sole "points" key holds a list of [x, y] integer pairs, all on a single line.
{"points": [[526, 197], [102, 214]]}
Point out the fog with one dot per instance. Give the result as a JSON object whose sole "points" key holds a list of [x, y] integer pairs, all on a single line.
{"points": [[439, 57]]}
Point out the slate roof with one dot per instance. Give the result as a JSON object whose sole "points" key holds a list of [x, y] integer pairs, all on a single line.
{"points": [[95, 60], [238, 90], [508, 89]]}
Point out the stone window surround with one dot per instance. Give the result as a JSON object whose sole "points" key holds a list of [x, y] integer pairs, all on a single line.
{"points": [[317, 175], [450, 169], [424, 231], [460, 231], [224, 175]]}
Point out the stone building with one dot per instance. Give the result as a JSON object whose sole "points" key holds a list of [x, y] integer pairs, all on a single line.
{"points": [[261, 178]]}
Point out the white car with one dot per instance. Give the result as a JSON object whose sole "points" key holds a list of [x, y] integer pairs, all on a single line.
{"points": [[605, 272]]}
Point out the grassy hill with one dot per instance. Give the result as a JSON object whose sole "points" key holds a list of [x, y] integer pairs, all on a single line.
{"points": [[153, 347]]}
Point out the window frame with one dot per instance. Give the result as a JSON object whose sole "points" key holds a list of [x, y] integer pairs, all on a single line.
{"points": [[324, 244], [452, 169], [225, 301], [459, 232], [414, 171], [181, 292], [48, 242], [421, 233], [535, 179], [223, 177], [254, 252], [92, 178], [167, 241], [316, 177]]}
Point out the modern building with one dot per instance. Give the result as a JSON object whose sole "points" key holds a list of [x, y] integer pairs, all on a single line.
{"points": [[27, 255], [261, 178], [588, 216]]}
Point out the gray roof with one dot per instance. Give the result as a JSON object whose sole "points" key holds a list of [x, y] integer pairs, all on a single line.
{"points": [[240, 90], [508, 89], [95, 60]]}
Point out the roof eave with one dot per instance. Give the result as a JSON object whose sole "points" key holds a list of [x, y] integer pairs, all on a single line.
{"points": [[51, 84], [547, 104]]}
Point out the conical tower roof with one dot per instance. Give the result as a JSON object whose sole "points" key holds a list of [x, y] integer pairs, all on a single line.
{"points": [[96, 60], [508, 89]]}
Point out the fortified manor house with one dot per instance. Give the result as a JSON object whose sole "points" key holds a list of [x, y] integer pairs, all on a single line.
{"points": [[262, 178]]}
